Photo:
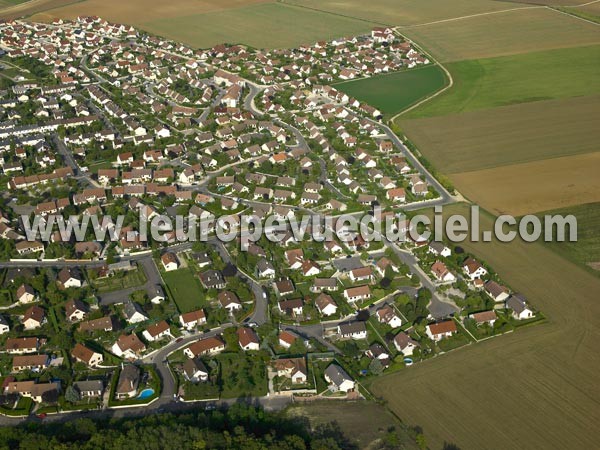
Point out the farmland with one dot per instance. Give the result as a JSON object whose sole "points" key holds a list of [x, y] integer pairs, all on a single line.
{"points": [[405, 12], [543, 378], [534, 186], [491, 82], [511, 32], [267, 25], [586, 251], [508, 135], [365, 423], [392, 93], [185, 289], [132, 11]]}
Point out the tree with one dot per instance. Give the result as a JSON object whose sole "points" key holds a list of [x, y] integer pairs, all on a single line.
{"points": [[72, 395], [50, 396], [375, 366]]}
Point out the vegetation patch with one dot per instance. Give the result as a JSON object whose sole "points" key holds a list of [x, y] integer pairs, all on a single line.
{"points": [[392, 93], [492, 82]]}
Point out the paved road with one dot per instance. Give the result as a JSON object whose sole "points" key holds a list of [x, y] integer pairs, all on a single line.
{"points": [[152, 279]]}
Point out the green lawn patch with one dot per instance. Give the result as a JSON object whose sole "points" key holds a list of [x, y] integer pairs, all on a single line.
{"points": [[392, 93], [119, 281], [185, 289]]}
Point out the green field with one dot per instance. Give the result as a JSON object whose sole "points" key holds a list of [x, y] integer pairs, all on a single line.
{"points": [[586, 251], [543, 377], [185, 288], [491, 82], [507, 33], [269, 25], [392, 93]]}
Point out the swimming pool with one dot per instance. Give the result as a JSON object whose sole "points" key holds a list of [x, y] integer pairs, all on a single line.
{"points": [[149, 392]]}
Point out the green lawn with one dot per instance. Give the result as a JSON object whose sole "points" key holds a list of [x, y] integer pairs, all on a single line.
{"points": [[242, 375], [395, 92], [119, 281], [185, 289], [267, 25], [491, 82], [586, 251]]}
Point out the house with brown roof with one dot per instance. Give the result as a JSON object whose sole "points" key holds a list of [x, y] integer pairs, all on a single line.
{"points": [[68, 278], [192, 319], [358, 293], [128, 346], [195, 371], [157, 331], [440, 330], [405, 344], [22, 345], [292, 368], [33, 318], [488, 317], [75, 310], [361, 274], [169, 261], [474, 269], [325, 304], [26, 294], [83, 354], [128, 382], [287, 338], [442, 273], [283, 287], [230, 301], [498, 292], [34, 363], [101, 324], [248, 339], [388, 316], [207, 346], [291, 307]]}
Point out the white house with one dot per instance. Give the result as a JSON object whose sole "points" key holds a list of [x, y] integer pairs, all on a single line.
{"points": [[518, 305], [405, 344], [326, 305], [4, 327], [192, 319], [338, 378], [169, 261], [474, 269], [134, 313], [354, 330], [438, 331], [248, 339], [157, 331]]}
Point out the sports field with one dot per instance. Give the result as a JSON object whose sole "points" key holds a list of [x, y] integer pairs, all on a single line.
{"points": [[534, 186], [506, 33], [491, 82], [394, 92], [535, 388], [586, 251], [508, 135]]}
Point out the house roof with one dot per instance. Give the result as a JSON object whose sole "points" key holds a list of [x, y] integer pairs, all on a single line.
{"points": [[358, 291], [157, 328], [82, 353], [205, 344], [247, 336], [447, 326], [337, 375], [287, 337], [21, 343], [194, 365], [484, 316], [193, 316], [34, 313], [129, 379], [352, 327], [227, 298], [29, 360], [130, 342], [402, 340]]}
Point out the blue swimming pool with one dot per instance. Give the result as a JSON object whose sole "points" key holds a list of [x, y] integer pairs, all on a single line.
{"points": [[146, 393]]}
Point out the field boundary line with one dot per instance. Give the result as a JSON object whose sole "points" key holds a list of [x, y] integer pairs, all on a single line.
{"points": [[453, 19], [575, 16], [433, 95], [283, 2]]}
